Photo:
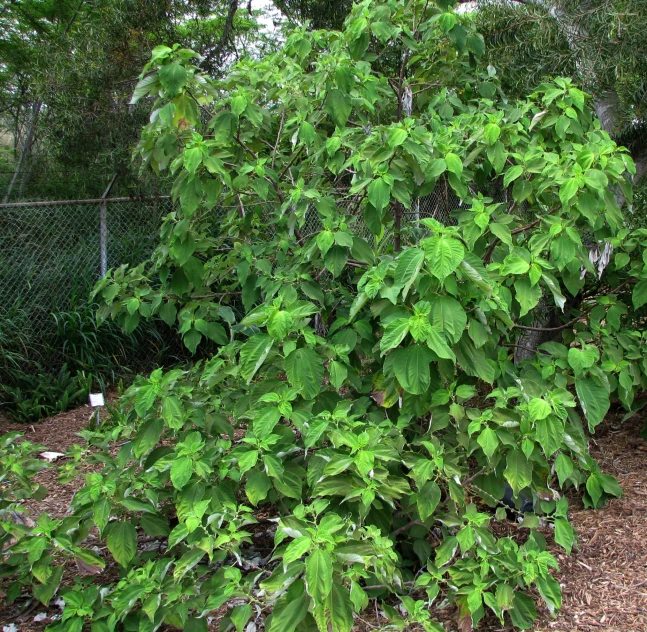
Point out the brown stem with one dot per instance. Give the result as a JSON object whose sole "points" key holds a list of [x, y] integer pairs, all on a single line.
{"points": [[397, 227], [516, 231], [490, 250], [526, 348], [378, 586], [254, 155], [278, 138], [217, 294], [570, 322], [413, 523], [471, 478], [287, 167], [560, 328], [488, 254]]}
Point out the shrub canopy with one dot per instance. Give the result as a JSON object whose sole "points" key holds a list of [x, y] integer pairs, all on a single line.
{"points": [[363, 404]]}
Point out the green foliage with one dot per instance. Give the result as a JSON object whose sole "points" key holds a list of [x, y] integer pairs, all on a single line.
{"points": [[81, 60], [44, 375], [321, 14], [603, 46], [18, 466], [32, 396], [363, 406]]}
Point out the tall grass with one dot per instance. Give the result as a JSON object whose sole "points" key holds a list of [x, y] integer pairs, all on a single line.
{"points": [[43, 375]]}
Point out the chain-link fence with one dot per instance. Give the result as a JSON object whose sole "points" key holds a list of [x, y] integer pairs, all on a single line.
{"points": [[441, 204], [51, 252]]}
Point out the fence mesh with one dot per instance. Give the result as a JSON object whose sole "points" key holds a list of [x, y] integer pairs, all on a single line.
{"points": [[51, 252]]}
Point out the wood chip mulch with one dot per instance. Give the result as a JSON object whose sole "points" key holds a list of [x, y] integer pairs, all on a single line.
{"points": [[604, 581]]}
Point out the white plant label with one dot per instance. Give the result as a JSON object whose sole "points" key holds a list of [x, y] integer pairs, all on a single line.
{"points": [[96, 399]]}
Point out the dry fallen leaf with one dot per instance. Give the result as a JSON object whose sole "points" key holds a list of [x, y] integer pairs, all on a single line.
{"points": [[87, 569]]}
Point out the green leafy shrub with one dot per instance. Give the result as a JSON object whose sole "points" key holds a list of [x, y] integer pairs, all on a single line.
{"points": [[18, 466], [364, 409]]}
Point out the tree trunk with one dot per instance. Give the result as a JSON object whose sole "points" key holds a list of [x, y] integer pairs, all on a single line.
{"points": [[26, 149]]}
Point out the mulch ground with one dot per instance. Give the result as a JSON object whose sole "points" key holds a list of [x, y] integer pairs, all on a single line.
{"points": [[604, 582]]}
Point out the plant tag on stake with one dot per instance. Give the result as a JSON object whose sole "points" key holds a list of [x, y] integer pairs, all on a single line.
{"points": [[96, 401]]}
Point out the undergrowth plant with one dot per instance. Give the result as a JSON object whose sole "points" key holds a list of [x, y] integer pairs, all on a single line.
{"points": [[364, 408], [42, 375]]}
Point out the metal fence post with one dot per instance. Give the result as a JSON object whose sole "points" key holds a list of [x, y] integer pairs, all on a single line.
{"points": [[103, 229], [103, 237]]}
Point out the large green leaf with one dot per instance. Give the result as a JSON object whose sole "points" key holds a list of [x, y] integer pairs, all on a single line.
{"points": [[475, 361], [253, 354], [454, 163], [45, 592], [335, 260], [527, 295], [181, 471], [147, 438], [518, 471], [325, 240], [172, 412], [144, 399], [379, 193], [319, 575], [122, 542], [443, 254], [297, 548], [338, 107], [549, 433], [290, 609], [581, 359], [594, 400], [438, 345], [448, 315], [279, 324], [568, 190], [551, 592], [173, 78], [639, 295], [472, 267], [394, 334], [257, 486], [491, 133], [340, 608], [538, 409], [427, 499], [265, 420], [338, 373], [511, 174], [564, 534], [409, 264], [555, 289], [305, 371], [411, 368], [523, 612], [488, 441]]}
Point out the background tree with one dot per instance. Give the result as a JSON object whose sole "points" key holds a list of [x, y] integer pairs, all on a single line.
{"points": [[603, 44], [321, 14], [68, 72]]}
